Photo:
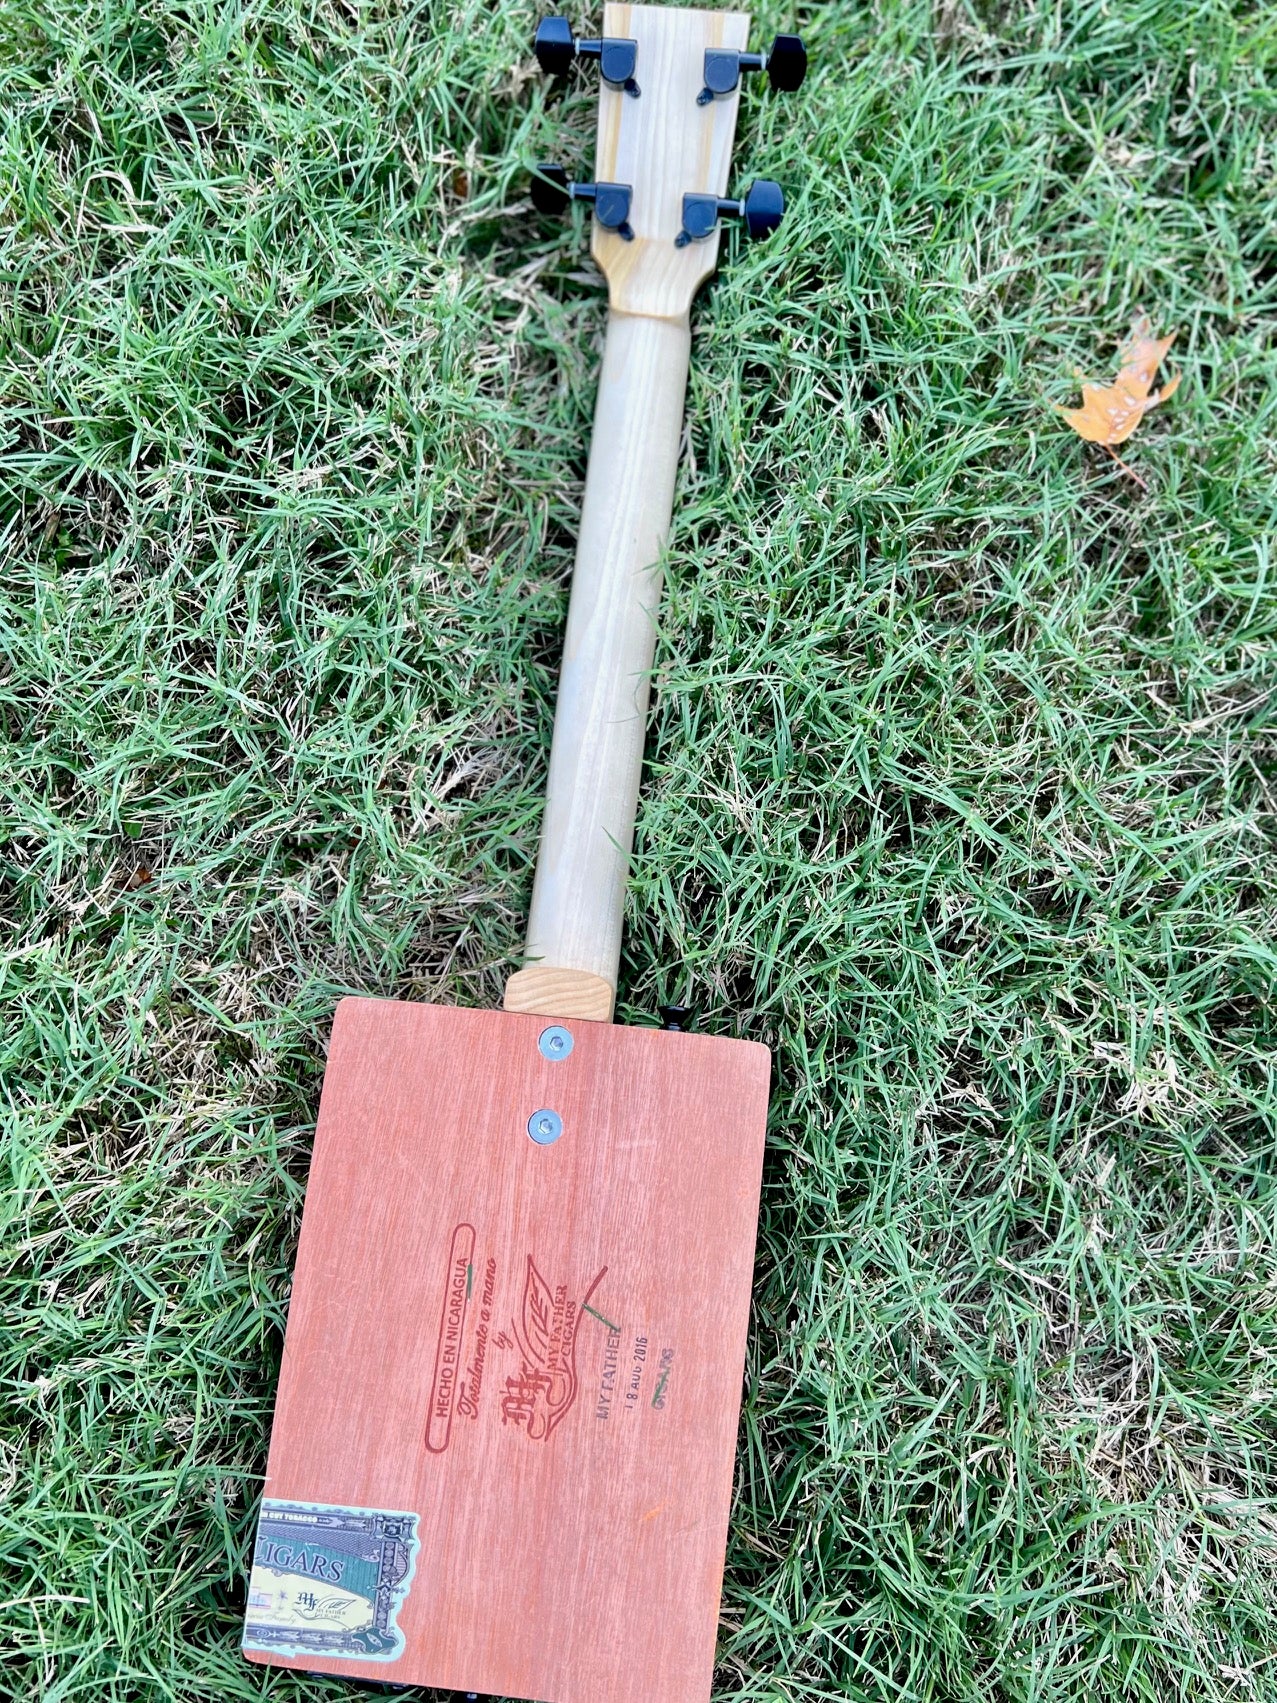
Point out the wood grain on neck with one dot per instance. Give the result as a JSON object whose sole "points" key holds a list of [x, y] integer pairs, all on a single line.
{"points": [[668, 149]]}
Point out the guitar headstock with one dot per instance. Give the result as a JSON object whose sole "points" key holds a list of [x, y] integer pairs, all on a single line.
{"points": [[667, 121]]}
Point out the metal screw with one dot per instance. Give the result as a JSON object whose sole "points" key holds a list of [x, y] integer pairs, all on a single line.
{"points": [[554, 1042], [545, 1126]]}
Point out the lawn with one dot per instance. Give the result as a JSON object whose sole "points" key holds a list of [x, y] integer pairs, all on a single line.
{"points": [[959, 793]]}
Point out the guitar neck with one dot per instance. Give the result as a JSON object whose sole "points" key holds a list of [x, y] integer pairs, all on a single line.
{"points": [[667, 119], [578, 900]]}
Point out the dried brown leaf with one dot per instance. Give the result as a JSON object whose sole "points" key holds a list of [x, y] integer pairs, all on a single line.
{"points": [[1110, 413]]}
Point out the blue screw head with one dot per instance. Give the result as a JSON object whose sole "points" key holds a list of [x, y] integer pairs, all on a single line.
{"points": [[545, 1126]]}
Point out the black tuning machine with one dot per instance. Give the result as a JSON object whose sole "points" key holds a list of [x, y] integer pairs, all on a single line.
{"points": [[556, 47], [760, 210], [552, 191], [680, 1019], [785, 65]]}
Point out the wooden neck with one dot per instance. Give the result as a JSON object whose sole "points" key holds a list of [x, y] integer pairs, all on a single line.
{"points": [[662, 144], [578, 900]]}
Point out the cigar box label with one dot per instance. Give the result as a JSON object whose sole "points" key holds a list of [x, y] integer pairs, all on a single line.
{"points": [[329, 1581]]}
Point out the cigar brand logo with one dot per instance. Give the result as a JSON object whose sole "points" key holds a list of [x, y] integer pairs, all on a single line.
{"points": [[458, 1280], [540, 1395]]}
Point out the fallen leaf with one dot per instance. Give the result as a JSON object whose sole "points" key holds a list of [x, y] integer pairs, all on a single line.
{"points": [[1111, 412]]}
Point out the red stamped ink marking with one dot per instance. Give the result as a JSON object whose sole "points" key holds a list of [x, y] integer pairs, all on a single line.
{"points": [[452, 1326]]}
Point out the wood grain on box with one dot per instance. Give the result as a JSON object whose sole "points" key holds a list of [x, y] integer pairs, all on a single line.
{"points": [[536, 1350]]}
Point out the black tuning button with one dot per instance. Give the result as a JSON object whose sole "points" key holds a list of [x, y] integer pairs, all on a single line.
{"points": [[785, 65], [556, 47], [552, 190], [679, 1019], [760, 209]]}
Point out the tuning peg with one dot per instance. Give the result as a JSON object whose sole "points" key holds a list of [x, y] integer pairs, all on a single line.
{"points": [[556, 47], [761, 209], [680, 1019], [785, 65], [552, 190]]}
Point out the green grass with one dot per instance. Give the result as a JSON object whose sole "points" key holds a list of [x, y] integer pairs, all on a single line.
{"points": [[959, 793]]}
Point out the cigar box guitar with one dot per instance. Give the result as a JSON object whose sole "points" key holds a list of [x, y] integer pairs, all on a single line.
{"points": [[503, 1443]]}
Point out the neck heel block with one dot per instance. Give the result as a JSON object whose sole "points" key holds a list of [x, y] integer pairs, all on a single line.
{"points": [[551, 992]]}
